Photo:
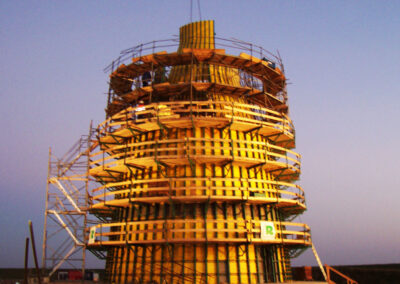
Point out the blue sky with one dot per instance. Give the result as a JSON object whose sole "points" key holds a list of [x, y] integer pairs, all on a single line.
{"points": [[343, 62]]}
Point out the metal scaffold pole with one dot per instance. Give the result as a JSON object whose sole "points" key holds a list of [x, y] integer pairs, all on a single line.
{"points": [[44, 248]]}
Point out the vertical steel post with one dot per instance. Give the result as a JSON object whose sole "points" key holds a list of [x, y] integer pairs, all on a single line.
{"points": [[26, 261], [34, 251], [85, 209], [44, 246]]}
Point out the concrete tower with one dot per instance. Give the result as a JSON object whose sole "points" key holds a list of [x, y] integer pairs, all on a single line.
{"points": [[195, 168]]}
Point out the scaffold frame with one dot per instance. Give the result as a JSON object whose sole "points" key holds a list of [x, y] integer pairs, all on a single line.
{"points": [[66, 209]]}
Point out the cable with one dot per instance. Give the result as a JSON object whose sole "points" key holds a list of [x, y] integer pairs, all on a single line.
{"points": [[191, 9], [198, 5]]}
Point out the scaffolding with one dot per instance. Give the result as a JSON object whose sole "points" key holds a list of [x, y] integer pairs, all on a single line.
{"points": [[126, 83], [194, 165], [67, 203], [192, 176]]}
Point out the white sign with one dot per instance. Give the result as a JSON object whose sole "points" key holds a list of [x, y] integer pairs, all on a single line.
{"points": [[92, 235], [267, 230]]}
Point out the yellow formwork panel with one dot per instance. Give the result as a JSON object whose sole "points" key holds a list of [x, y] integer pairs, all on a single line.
{"points": [[175, 264], [200, 35]]}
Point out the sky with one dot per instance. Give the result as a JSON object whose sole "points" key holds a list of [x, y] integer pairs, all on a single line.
{"points": [[342, 59]]}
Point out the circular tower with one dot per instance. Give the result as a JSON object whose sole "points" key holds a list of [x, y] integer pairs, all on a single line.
{"points": [[195, 165]]}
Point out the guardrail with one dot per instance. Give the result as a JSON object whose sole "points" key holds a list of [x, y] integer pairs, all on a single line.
{"points": [[253, 69], [198, 231], [245, 113], [236, 77], [330, 269], [172, 44], [187, 189], [183, 151]]}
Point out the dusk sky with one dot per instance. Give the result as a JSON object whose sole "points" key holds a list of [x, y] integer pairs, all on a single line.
{"points": [[343, 62]]}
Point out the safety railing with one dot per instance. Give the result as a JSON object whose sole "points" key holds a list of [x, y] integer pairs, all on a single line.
{"points": [[200, 73], [199, 231], [233, 111], [185, 70], [330, 269], [204, 73], [183, 151], [187, 189], [171, 45]]}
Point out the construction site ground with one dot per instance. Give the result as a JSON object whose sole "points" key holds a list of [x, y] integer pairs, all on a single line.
{"points": [[374, 274]]}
